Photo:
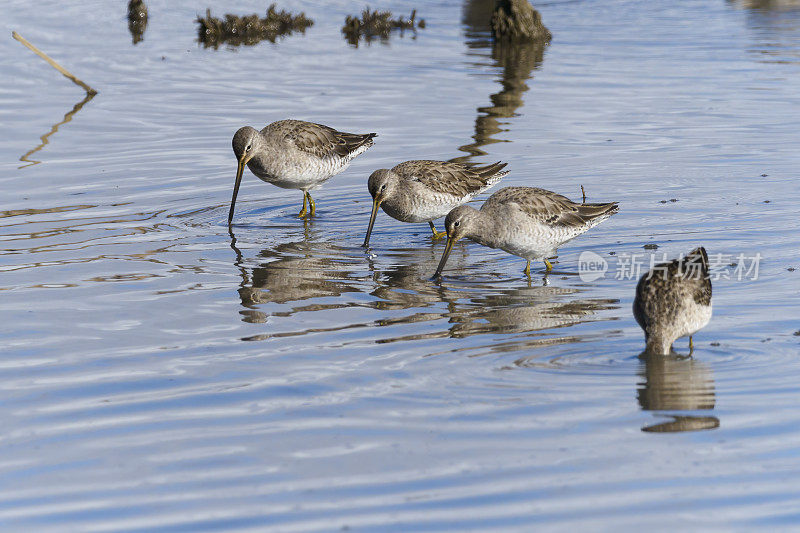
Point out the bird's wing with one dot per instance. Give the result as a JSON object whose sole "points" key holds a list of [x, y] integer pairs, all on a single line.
{"points": [[323, 141], [549, 208], [451, 178]]}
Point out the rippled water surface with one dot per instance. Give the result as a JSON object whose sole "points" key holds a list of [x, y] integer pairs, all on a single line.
{"points": [[158, 373]]}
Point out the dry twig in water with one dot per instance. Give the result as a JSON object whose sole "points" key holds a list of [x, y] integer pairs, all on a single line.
{"points": [[52, 63]]}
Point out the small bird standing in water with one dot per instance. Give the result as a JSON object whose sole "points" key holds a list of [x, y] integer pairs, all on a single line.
{"points": [[294, 154], [422, 191], [673, 300], [525, 221]]}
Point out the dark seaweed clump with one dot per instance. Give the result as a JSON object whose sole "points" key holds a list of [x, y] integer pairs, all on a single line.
{"points": [[137, 19], [373, 24], [249, 30], [518, 21]]}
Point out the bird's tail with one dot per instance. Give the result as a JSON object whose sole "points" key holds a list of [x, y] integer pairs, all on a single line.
{"points": [[697, 260], [491, 174], [594, 214]]}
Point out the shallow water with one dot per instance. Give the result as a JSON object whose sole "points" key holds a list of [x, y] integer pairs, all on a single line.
{"points": [[158, 374]]}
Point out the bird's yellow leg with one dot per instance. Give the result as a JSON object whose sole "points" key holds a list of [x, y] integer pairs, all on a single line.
{"points": [[527, 270], [303, 211], [437, 234], [547, 265], [313, 206], [691, 345]]}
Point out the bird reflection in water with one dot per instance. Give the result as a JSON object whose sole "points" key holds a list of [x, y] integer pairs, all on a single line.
{"points": [[407, 284], [517, 61], [479, 310], [525, 309], [293, 272], [318, 274], [677, 383]]}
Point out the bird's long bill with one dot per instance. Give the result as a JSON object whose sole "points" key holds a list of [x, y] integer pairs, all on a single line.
{"points": [[375, 205], [448, 247], [239, 172]]}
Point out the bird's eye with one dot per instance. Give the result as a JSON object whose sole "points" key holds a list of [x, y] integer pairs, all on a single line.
{"points": [[247, 148], [383, 187], [457, 223]]}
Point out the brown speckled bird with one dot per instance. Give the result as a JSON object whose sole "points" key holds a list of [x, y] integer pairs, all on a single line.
{"points": [[422, 191], [524, 221], [294, 154], [673, 300]]}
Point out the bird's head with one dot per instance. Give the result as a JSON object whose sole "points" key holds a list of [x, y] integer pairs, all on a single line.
{"points": [[381, 184], [460, 222], [245, 142]]}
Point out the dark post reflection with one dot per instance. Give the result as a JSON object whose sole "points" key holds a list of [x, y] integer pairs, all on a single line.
{"points": [[774, 25], [137, 19], [517, 61], [677, 383], [45, 138], [776, 5]]}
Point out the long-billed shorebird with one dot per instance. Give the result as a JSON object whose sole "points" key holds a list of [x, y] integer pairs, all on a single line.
{"points": [[673, 300], [422, 191], [294, 154], [524, 221]]}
